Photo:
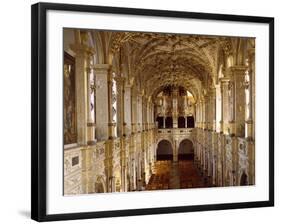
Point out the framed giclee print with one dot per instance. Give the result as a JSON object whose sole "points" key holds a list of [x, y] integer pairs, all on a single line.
{"points": [[138, 111]]}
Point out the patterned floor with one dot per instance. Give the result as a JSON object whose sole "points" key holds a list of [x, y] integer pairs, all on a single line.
{"points": [[180, 175]]}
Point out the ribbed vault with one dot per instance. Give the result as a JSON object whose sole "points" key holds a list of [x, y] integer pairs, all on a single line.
{"points": [[156, 60]]}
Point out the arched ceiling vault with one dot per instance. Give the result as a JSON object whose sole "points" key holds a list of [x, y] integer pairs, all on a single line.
{"points": [[155, 60]]}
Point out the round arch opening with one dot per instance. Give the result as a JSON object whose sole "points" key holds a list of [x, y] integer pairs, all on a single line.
{"points": [[164, 150], [244, 179], [186, 150], [99, 188]]}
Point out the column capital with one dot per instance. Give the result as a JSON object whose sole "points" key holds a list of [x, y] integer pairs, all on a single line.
{"points": [[110, 124], [224, 80], [237, 70], [212, 90], [207, 97], [82, 49], [101, 68], [128, 83]]}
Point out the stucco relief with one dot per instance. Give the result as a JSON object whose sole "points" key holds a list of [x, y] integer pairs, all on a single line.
{"points": [[243, 155]]}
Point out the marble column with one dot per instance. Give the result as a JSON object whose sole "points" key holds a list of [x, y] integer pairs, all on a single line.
{"points": [[148, 114], [111, 99], [82, 53], [146, 109], [197, 115], [250, 90], [175, 108], [203, 113], [224, 105], [175, 151], [121, 106], [145, 121], [218, 104], [90, 107], [102, 112], [212, 109], [152, 117], [127, 109], [207, 111], [237, 74], [139, 109], [134, 112]]}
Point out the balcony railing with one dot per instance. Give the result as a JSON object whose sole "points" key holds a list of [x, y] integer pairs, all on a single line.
{"points": [[175, 130]]}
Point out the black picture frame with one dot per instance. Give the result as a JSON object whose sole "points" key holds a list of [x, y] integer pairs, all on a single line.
{"points": [[39, 122]]}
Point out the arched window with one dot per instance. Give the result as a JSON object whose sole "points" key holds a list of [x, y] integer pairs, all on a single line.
{"points": [[190, 121], [169, 122], [160, 121], [181, 122]]}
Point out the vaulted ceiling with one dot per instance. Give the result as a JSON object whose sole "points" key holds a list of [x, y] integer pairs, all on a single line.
{"points": [[156, 60]]}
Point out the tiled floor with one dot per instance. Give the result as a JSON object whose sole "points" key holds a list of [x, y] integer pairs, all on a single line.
{"points": [[169, 175]]}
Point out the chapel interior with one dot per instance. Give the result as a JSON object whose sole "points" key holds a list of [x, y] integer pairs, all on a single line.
{"points": [[157, 111]]}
